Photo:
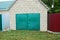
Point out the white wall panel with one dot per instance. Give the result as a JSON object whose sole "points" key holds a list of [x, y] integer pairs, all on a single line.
{"points": [[5, 21]]}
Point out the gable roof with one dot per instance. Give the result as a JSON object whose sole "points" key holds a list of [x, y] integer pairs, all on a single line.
{"points": [[44, 4], [6, 4]]}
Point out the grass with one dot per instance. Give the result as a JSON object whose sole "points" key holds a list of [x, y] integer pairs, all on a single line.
{"points": [[28, 35]]}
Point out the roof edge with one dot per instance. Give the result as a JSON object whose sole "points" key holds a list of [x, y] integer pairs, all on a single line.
{"points": [[8, 7], [44, 5]]}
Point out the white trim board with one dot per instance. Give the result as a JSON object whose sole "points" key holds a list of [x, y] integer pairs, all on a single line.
{"points": [[53, 32]]}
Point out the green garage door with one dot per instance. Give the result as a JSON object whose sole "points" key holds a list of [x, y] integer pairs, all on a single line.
{"points": [[34, 21], [28, 21], [21, 21], [0, 22]]}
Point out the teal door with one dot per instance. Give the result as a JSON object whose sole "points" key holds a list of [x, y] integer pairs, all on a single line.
{"points": [[0, 22], [34, 21], [21, 21], [28, 21]]}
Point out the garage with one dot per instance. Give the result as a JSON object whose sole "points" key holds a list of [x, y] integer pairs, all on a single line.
{"points": [[28, 21], [23, 15]]}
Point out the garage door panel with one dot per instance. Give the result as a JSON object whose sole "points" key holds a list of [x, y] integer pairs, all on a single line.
{"points": [[34, 17], [21, 17], [21, 21], [34, 21], [33, 26]]}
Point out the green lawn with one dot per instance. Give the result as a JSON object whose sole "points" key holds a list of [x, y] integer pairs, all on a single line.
{"points": [[28, 35]]}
